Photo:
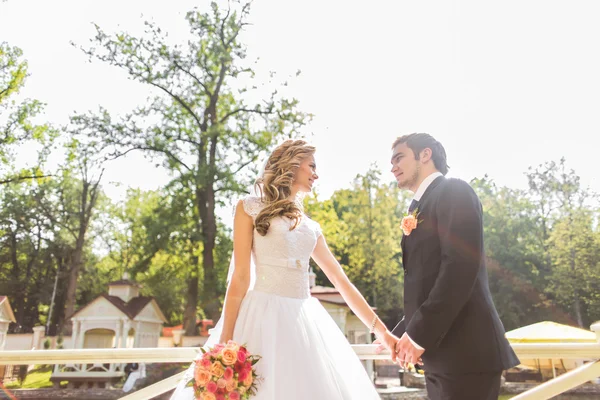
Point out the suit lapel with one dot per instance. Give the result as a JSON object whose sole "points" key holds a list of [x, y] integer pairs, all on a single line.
{"points": [[432, 186]]}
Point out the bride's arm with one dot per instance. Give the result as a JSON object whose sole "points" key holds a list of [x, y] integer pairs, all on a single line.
{"points": [[243, 226], [334, 271]]}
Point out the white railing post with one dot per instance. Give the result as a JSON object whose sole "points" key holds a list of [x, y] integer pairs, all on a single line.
{"points": [[595, 327], [565, 382]]}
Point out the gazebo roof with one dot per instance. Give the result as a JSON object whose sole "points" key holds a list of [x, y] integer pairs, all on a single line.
{"points": [[550, 332], [132, 307], [6, 304], [124, 282]]}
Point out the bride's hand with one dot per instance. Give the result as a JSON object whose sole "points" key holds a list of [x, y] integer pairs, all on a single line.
{"points": [[224, 339], [387, 341]]}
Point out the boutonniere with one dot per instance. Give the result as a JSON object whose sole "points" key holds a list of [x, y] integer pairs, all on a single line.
{"points": [[410, 222]]}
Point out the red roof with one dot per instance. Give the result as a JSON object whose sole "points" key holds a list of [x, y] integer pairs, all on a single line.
{"points": [[331, 295], [204, 323]]}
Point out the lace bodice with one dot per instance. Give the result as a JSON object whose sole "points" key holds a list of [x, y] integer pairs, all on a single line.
{"points": [[282, 255]]}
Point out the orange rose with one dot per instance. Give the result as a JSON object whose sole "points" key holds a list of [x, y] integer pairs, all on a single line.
{"points": [[208, 396], [217, 369], [202, 376], [248, 381], [408, 224], [229, 356], [231, 385]]}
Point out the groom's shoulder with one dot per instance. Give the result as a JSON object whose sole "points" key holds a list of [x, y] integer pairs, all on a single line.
{"points": [[456, 186]]}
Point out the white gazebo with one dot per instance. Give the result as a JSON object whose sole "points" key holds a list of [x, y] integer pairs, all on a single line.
{"points": [[120, 319], [6, 317], [355, 331]]}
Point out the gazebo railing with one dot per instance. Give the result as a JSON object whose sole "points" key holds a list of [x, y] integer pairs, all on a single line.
{"points": [[546, 390]]}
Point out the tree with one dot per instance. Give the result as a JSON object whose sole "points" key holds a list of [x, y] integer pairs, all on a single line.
{"points": [[575, 276], [22, 252], [515, 255], [558, 194], [203, 125], [16, 118], [77, 198], [361, 226]]}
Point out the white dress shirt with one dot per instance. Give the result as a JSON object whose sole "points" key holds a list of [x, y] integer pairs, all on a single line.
{"points": [[418, 194], [425, 184]]}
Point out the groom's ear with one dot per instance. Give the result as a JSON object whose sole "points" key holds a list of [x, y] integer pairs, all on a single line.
{"points": [[425, 155]]}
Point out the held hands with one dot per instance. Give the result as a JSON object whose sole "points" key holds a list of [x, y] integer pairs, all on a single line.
{"points": [[402, 350], [406, 352]]}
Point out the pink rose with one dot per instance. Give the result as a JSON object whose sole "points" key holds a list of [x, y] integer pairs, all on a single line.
{"points": [[242, 375], [248, 366], [211, 387], [232, 345], [228, 373], [217, 349], [239, 367], [241, 356], [220, 397], [408, 224], [221, 383], [234, 396], [205, 363]]}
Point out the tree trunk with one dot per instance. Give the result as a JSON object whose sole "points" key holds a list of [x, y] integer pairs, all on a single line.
{"points": [[57, 323], [17, 284], [76, 262], [189, 315], [577, 308], [210, 299], [85, 216]]}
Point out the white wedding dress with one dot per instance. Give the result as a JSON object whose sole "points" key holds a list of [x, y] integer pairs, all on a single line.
{"points": [[304, 354]]}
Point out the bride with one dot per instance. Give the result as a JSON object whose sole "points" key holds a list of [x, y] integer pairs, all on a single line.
{"points": [[268, 306]]}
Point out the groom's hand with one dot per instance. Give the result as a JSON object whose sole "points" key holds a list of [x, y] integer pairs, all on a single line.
{"points": [[406, 352]]}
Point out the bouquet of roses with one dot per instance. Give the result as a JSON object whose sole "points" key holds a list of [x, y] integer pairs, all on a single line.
{"points": [[225, 372]]}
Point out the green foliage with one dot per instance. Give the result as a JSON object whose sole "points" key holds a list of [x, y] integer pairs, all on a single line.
{"points": [[204, 103], [16, 118], [361, 226]]}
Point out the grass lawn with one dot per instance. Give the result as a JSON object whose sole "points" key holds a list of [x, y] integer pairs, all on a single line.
{"points": [[36, 379]]}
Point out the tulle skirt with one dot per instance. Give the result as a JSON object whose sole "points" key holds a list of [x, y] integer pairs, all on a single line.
{"points": [[304, 353]]}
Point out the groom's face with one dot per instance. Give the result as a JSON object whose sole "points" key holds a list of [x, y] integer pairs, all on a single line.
{"points": [[404, 167]]}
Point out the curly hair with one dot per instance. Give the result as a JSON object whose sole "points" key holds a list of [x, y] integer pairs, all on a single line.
{"points": [[275, 185]]}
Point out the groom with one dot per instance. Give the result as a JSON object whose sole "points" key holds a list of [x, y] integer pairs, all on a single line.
{"points": [[450, 321]]}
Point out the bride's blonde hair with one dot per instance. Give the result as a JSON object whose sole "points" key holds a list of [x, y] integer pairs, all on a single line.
{"points": [[275, 185]]}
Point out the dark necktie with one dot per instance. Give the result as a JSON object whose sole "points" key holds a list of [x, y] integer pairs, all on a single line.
{"points": [[413, 205]]}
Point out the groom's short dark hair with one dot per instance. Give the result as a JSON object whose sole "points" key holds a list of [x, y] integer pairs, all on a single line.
{"points": [[417, 142]]}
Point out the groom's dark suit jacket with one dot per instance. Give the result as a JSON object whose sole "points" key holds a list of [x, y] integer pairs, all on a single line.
{"points": [[447, 302]]}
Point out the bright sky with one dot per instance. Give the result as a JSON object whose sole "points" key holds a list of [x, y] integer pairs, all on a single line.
{"points": [[503, 85]]}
